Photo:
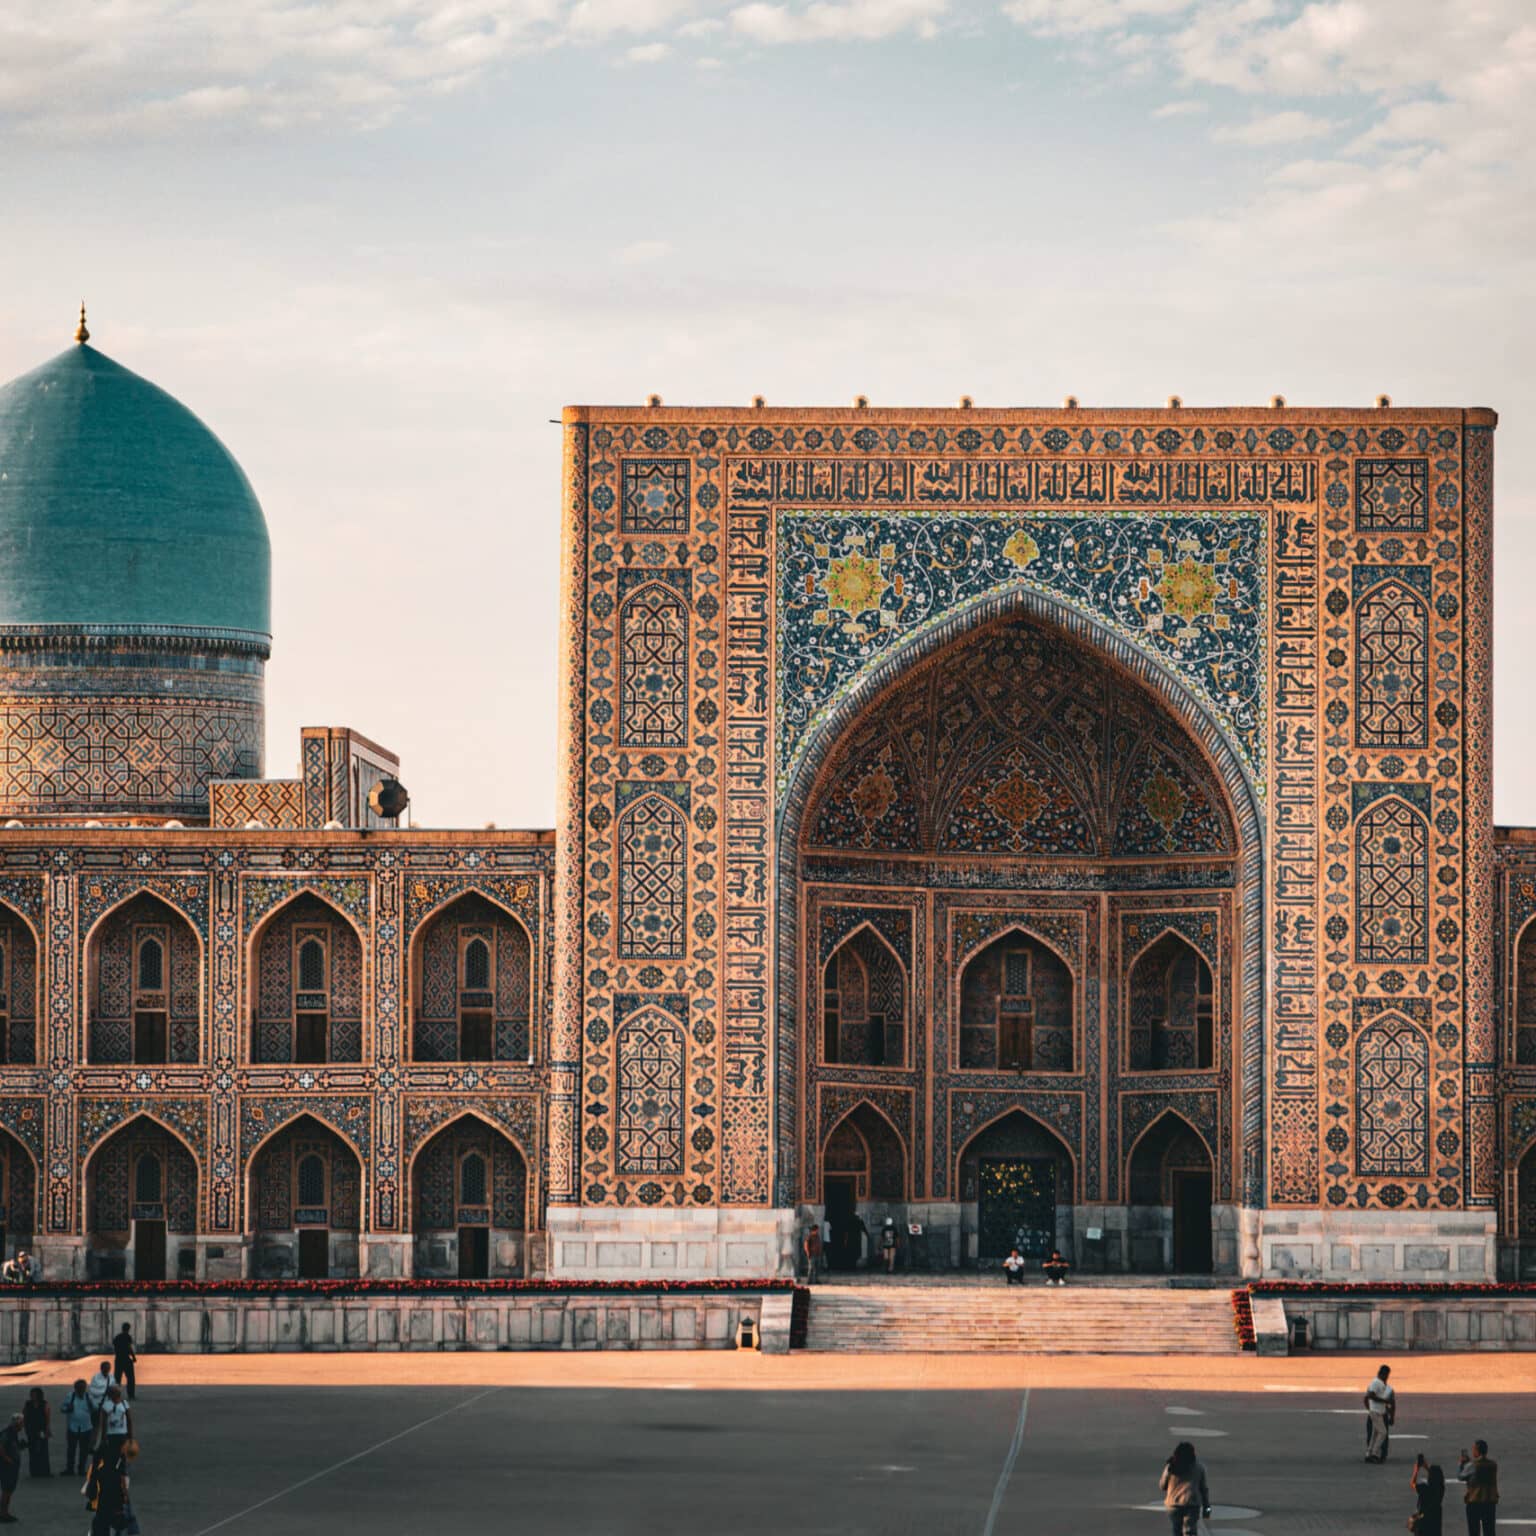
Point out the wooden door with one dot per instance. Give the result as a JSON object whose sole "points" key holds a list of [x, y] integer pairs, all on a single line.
{"points": [[474, 1253], [314, 1253], [149, 1250]]}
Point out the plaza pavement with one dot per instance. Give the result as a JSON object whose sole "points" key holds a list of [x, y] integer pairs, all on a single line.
{"points": [[661, 1443]]}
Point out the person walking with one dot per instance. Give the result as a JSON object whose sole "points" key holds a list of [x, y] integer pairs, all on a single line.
{"points": [[10, 1466], [116, 1422], [888, 1245], [37, 1420], [114, 1512], [811, 1247], [1428, 1484], [1479, 1473], [123, 1358], [1380, 1415], [79, 1420], [1186, 1496]]}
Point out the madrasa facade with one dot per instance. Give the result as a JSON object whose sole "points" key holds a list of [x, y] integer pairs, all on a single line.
{"points": [[1037, 827]]}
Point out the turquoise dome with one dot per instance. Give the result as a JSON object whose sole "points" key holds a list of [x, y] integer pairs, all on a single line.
{"points": [[121, 511]]}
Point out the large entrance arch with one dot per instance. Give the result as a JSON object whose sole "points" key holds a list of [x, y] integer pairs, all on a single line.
{"points": [[1023, 807]]}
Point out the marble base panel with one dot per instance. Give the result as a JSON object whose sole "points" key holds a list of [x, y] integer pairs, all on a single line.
{"points": [[726, 1243], [1377, 1245]]}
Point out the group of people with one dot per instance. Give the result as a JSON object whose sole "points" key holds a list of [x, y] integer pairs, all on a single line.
{"points": [[97, 1424], [1476, 1471], [1055, 1268], [1187, 1495], [23, 1269]]}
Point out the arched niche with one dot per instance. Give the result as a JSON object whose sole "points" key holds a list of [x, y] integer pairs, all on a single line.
{"points": [[1525, 1214], [469, 1203], [1018, 746], [18, 1197], [1525, 996], [18, 990], [1016, 1179], [143, 967], [472, 984], [1170, 1023], [864, 1003], [1016, 1007], [304, 1203], [306, 985], [863, 1173], [1169, 1192], [141, 1204]]}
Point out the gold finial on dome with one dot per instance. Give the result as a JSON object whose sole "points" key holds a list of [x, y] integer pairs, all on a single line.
{"points": [[81, 334]]}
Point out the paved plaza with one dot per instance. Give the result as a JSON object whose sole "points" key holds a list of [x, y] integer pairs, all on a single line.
{"points": [[662, 1444]]}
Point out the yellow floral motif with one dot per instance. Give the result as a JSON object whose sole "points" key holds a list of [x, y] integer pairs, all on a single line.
{"points": [[1021, 549], [1188, 589], [873, 796], [1163, 799], [1017, 799], [854, 584]]}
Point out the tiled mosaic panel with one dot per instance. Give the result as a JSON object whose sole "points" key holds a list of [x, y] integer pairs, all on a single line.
{"points": [[112, 1186], [18, 987]]}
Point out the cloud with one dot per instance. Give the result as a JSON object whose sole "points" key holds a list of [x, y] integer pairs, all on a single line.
{"points": [[836, 20], [1276, 128], [649, 53], [1071, 18], [643, 253], [1185, 108]]}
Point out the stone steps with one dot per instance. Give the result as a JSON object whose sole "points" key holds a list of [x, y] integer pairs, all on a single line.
{"points": [[964, 1320]]}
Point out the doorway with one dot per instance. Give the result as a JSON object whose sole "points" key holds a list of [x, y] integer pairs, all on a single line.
{"points": [[1192, 1221], [314, 1253], [1016, 1207], [149, 1250], [846, 1245], [474, 1253]]}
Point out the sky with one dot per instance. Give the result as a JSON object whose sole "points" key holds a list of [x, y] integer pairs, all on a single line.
{"points": [[378, 244]]}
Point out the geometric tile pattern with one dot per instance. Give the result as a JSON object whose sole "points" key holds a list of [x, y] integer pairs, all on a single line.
{"points": [[1392, 1100], [1391, 495], [1392, 661], [1392, 889], [653, 696], [652, 1071]]}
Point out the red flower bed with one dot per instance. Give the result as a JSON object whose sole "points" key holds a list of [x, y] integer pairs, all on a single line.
{"points": [[1393, 1287], [1242, 1317], [365, 1287]]}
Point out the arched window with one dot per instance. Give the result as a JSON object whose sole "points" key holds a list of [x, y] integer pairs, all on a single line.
{"points": [[477, 965], [148, 1180], [312, 964], [1392, 1101], [1525, 1001], [864, 1004], [653, 670], [1170, 1025], [653, 857], [1016, 1008], [1392, 666], [151, 966], [1391, 885], [310, 1180], [472, 1180]]}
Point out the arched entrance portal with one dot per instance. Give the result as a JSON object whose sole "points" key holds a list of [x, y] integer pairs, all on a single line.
{"points": [[1170, 1198], [1034, 849], [305, 1204], [141, 1205], [863, 1179], [469, 1203]]}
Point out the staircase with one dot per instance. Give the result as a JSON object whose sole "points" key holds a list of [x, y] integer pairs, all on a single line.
{"points": [[1033, 1320]]}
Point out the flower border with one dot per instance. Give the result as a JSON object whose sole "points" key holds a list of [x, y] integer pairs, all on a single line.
{"points": [[173, 1289]]}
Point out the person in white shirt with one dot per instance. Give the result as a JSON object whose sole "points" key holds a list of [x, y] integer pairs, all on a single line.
{"points": [[1013, 1267], [1380, 1415]]}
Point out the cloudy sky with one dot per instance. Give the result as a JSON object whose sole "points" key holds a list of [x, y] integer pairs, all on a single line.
{"points": [[377, 244]]}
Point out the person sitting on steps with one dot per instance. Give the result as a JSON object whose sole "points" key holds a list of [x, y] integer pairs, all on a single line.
{"points": [[1056, 1268], [1013, 1267]]}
